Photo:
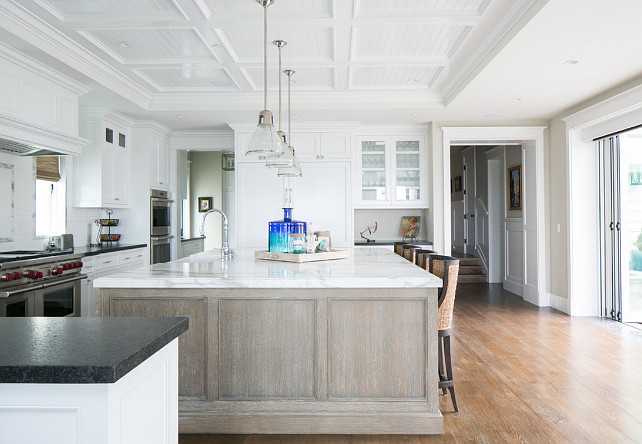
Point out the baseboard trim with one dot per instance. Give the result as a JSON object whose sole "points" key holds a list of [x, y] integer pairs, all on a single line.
{"points": [[558, 303], [514, 287]]}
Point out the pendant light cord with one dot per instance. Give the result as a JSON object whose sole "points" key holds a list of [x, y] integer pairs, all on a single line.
{"points": [[280, 89], [265, 57], [289, 111]]}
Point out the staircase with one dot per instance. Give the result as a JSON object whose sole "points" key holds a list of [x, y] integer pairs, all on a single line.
{"points": [[471, 270]]}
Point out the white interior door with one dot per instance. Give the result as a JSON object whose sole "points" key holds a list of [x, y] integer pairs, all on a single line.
{"points": [[496, 205], [469, 200]]}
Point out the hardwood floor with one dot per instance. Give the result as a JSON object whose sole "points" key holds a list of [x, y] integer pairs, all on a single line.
{"points": [[522, 374]]}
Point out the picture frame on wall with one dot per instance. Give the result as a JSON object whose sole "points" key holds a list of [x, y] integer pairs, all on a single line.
{"points": [[515, 188], [457, 181], [204, 204]]}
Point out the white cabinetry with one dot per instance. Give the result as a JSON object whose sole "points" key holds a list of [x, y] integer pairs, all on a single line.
{"points": [[321, 146], [103, 169], [102, 265], [159, 161], [322, 196], [391, 171]]}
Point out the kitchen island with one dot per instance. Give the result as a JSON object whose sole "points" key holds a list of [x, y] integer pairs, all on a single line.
{"points": [[342, 346], [89, 380]]}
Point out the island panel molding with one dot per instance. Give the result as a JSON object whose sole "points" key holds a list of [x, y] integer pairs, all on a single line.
{"points": [[329, 348]]}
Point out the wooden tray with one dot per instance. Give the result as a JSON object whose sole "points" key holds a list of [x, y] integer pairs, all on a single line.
{"points": [[304, 257]]}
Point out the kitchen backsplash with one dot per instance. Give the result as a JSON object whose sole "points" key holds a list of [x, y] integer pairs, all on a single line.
{"points": [[388, 223], [19, 233]]}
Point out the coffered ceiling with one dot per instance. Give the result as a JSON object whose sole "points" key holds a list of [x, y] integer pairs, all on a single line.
{"points": [[173, 58]]}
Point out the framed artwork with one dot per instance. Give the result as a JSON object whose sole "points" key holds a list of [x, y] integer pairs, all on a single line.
{"points": [[204, 204], [410, 226], [457, 181], [515, 188]]}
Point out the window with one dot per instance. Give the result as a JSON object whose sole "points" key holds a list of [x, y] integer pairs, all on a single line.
{"points": [[50, 197]]}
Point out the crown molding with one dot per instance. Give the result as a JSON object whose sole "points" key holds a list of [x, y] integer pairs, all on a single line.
{"points": [[15, 57], [43, 36], [517, 16]]}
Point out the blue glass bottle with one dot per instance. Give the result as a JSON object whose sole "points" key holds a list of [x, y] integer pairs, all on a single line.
{"points": [[279, 232]]}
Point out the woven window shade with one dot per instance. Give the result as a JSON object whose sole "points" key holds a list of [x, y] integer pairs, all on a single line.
{"points": [[47, 168]]}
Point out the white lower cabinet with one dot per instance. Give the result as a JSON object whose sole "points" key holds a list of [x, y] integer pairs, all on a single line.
{"points": [[191, 246], [102, 265]]}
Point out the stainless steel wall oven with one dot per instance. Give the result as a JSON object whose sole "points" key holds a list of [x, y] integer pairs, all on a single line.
{"points": [[160, 226]]}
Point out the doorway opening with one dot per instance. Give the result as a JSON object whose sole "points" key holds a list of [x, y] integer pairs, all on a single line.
{"points": [[621, 225], [522, 268]]}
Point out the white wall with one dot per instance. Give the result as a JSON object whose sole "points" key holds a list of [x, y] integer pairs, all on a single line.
{"points": [[388, 223], [206, 180]]}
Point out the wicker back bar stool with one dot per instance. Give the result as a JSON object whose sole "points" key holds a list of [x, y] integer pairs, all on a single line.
{"points": [[422, 258], [397, 246], [409, 252], [447, 268]]}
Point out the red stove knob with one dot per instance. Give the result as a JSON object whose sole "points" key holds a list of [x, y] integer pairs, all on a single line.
{"points": [[31, 273], [7, 277], [79, 264], [66, 266], [17, 275], [57, 270], [39, 275]]}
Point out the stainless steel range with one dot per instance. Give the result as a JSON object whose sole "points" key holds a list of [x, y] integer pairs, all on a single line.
{"points": [[40, 283]]}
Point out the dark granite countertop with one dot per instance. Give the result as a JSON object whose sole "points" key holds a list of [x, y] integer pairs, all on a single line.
{"points": [[92, 251], [187, 239], [80, 350], [388, 242]]}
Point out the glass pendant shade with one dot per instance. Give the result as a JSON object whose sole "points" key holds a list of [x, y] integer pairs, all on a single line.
{"points": [[293, 171], [265, 141], [285, 160]]}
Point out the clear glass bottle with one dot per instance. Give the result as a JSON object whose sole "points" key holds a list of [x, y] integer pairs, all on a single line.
{"points": [[298, 243], [279, 232]]}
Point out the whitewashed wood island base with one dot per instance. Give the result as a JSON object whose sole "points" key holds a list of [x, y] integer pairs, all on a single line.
{"points": [[346, 346]]}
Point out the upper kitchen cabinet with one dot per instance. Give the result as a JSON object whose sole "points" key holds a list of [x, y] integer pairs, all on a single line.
{"points": [[392, 171], [152, 139], [322, 146], [38, 107], [103, 169]]}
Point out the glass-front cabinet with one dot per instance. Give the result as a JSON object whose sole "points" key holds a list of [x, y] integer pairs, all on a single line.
{"points": [[392, 172]]}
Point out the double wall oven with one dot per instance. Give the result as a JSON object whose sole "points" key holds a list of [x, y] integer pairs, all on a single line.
{"points": [[40, 284], [160, 226]]}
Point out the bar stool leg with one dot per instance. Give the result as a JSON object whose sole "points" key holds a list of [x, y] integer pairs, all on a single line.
{"points": [[449, 371], [442, 374]]}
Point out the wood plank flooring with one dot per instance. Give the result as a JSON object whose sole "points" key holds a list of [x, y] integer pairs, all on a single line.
{"points": [[522, 374]]}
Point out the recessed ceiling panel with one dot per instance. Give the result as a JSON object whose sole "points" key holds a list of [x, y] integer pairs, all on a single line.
{"points": [[418, 6], [308, 79], [395, 77], [280, 8], [145, 9], [303, 44], [188, 77], [164, 45], [412, 43]]}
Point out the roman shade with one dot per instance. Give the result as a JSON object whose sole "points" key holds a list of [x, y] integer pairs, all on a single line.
{"points": [[47, 168]]}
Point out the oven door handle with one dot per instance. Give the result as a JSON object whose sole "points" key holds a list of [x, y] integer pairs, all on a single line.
{"points": [[76, 277], [158, 199], [18, 290]]}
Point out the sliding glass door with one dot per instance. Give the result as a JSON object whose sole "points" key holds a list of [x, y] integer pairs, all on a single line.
{"points": [[621, 204]]}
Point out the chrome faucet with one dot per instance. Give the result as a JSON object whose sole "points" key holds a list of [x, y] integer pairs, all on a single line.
{"points": [[226, 251]]}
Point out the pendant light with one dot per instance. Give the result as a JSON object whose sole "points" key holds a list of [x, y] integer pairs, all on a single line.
{"points": [[295, 170], [265, 141], [286, 159]]}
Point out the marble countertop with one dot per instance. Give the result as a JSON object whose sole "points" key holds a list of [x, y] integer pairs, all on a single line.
{"points": [[80, 350], [361, 242], [94, 250], [365, 268]]}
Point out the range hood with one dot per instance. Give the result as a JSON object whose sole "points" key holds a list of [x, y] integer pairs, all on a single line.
{"points": [[22, 149], [22, 138]]}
